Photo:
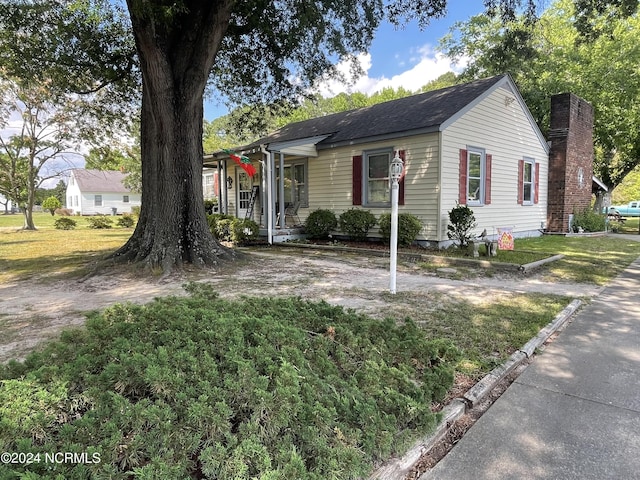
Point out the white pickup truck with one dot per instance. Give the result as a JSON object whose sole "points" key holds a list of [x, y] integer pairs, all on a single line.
{"points": [[632, 209]]}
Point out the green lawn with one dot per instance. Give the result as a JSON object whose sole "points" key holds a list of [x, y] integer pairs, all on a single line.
{"points": [[586, 259], [49, 253]]}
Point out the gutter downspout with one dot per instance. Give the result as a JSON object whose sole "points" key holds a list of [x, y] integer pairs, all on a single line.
{"points": [[439, 195]]}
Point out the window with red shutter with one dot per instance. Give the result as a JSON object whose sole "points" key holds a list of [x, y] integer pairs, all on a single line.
{"points": [[520, 181], [487, 179], [527, 182], [357, 180], [474, 177], [462, 188], [402, 155], [536, 187]]}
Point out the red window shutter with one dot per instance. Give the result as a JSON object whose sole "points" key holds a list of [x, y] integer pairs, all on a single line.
{"points": [[520, 182], [537, 183], [462, 192], [487, 179], [357, 180], [401, 154]]}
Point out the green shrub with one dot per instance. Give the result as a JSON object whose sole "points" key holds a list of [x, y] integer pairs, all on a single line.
{"points": [[100, 221], [320, 223], [126, 221], [65, 223], [409, 227], [209, 205], [206, 388], [135, 211], [51, 204], [461, 223], [589, 221], [356, 223], [243, 231], [220, 226]]}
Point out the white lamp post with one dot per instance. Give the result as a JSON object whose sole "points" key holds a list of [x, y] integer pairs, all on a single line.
{"points": [[395, 172]]}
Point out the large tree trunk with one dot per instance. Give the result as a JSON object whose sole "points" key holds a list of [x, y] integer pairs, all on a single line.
{"points": [[176, 56]]}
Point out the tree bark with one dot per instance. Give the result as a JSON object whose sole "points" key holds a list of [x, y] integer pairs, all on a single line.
{"points": [[176, 56]]}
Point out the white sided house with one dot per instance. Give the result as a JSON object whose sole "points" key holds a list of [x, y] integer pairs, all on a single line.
{"points": [[474, 144], [99, 192]]}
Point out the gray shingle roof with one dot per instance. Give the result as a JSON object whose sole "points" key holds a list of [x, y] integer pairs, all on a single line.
{"points": [[97, 181], [416, 112]]}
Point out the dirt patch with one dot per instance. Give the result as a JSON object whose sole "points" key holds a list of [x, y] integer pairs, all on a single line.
{"points": [[35, 310]]}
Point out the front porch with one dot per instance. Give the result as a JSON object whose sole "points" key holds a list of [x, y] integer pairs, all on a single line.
{"points": [[267, 184]]}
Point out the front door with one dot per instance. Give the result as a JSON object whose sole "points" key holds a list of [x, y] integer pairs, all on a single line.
{"points": [[245, 184]]}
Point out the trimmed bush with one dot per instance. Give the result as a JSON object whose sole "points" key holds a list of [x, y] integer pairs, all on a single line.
{"points": [[227, 228], [461, 223], [356, 223], [206, 388], [209, 205], [220, 230], [589, 221], [320, 223], [244, 231], [65, 223], [409, 227], [100, 221], [126, 221], [135, 211]]}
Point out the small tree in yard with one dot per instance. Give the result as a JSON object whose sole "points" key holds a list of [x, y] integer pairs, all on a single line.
{"points": [[51, 204], [461, 223]]}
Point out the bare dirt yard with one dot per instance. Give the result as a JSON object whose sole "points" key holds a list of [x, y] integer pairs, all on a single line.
{"points": [[35, 310]]}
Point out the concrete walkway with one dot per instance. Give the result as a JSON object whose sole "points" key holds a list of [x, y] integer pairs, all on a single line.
{"points": [[574, 413]]}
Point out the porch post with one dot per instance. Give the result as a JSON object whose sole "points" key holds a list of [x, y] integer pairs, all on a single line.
{"points": [[225, 189], [219, 192], [270, 200], [281, 192]]}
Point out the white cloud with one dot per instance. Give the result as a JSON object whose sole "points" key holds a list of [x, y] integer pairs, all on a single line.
{"points": [[427, 65]]}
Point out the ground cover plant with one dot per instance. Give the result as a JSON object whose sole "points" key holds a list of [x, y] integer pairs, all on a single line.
{"points": [[201, 387]]}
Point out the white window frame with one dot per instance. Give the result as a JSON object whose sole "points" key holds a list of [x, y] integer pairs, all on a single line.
{"points": [[125, 199], [471, 199], [366, 180], [531, 182], [97, 201]]}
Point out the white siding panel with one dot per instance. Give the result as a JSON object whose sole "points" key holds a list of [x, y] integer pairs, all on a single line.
{"points": [[330, 179], [109, 201], [503, 129]]}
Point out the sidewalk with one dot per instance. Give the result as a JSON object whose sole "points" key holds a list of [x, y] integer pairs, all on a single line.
{"points": [[574, 413]]}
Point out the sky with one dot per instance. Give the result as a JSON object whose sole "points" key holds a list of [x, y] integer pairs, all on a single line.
{"points": [[397, 58]]}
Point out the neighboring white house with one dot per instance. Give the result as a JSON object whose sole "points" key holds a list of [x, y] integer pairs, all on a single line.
{"points": [[93, 192], [5, 205]]}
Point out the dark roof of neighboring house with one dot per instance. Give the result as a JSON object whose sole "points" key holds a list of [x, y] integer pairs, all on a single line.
{"points": [[97, 181], [417, 112]]}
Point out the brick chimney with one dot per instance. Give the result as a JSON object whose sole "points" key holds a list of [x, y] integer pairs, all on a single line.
{"points": [[570, 160]]}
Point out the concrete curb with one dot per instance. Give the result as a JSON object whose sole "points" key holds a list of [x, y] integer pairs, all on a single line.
{"points": [[397, 469]]}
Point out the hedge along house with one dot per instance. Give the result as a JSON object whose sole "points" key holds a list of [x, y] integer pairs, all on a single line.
{"points": [[474, 144], [99, 192]]}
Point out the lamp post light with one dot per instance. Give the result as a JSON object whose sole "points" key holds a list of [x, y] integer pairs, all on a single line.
{"points": [[395, 172]]}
